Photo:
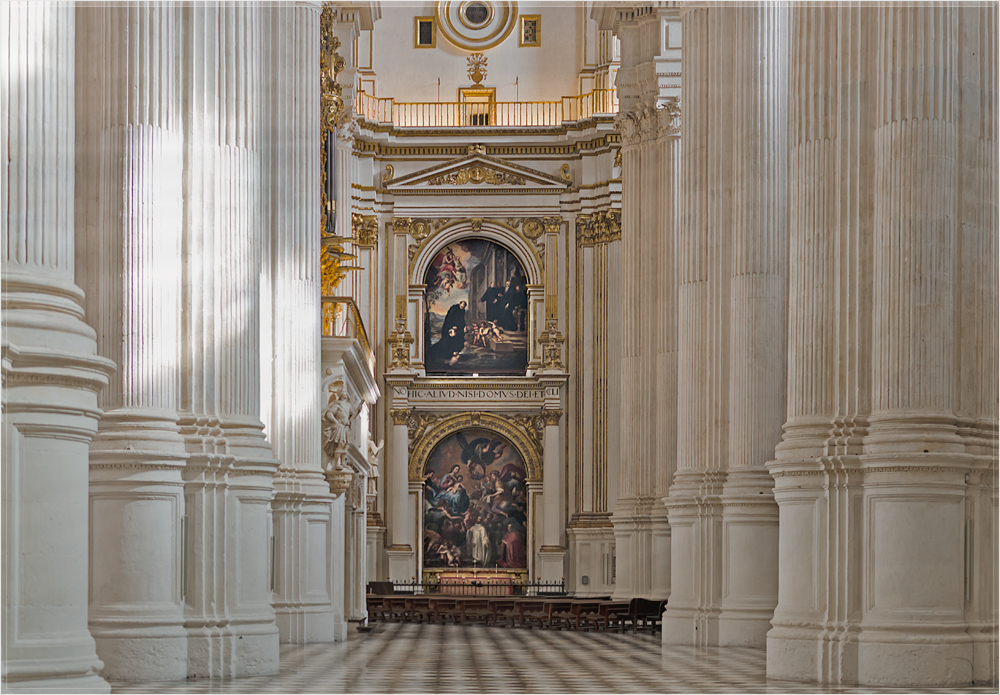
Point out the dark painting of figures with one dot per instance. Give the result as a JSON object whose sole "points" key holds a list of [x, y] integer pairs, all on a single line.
{"points": [[475, 503], [477, 311]]}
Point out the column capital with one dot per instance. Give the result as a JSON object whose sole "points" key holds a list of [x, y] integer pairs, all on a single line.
{"points": [[399, 415]]}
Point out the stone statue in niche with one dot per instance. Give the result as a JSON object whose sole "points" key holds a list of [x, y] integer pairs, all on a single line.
{"points": [[337, 418], [373, 452]]}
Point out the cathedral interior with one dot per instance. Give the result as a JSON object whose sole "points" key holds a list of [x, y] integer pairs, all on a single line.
{"points": [[303, 303]]}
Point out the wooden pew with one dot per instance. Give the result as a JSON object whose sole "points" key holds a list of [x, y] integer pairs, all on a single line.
{"points": [[641, 609]]}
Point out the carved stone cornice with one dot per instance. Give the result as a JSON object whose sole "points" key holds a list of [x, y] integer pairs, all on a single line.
{"points": [[364, 230], [600, 227]]}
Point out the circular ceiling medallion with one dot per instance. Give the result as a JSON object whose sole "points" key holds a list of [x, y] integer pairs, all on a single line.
{"points": [[476, 25]]}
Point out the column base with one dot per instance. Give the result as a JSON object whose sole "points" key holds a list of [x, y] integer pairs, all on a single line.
{"points": [[692, 628], [905, 661], [144, 654], [305, 624], [551, 565], [402, 567], [83, 684], [232, 653]]}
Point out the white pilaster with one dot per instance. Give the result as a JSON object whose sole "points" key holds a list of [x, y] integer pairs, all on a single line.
{"points": [[51, 370]]}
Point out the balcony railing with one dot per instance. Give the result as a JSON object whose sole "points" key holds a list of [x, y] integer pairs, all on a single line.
{"points": [[495, 114], [342, 319]]}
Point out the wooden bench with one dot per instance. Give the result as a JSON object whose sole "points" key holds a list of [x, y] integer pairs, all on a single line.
{"points": [[642, 609], [604, 616]]}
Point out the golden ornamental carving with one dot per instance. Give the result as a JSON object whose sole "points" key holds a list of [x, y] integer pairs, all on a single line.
{"points": [[552, 224], [477, 173], [477, 149], [524, 440], [565, 173], [551, 417], [399, 346], [399, 415], [477, 68], [419, 229], [330, 64], [551, 341], [601, 227], [534, 424], [364, 229], [417, 425], [618, 158], [388, 174], [533, 228]]}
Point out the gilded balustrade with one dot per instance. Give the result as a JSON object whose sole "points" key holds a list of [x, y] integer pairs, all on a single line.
{"points": [[524, 114]]}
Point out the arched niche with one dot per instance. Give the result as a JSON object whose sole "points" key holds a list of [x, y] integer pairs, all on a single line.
{"points": [[525, 443], [493, 230], [512, 240]]}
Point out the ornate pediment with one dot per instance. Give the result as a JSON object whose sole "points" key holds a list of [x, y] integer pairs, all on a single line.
{"points": [[476, 173]]}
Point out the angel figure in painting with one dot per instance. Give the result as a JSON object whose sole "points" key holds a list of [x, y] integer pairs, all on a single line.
{"points": [[480, 453]]}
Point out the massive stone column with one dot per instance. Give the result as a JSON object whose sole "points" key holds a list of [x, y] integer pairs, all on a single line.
{"points": [[228, 478], [976, 303], [631, 512], [664, 343], [757, 324], [817, 485], [887, 461], [302, 506], [703, 311], [913, 628], [129, 227], [51, 370]]}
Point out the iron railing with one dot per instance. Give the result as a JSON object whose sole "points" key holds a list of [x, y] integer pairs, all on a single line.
{"points": [[482, 587]]}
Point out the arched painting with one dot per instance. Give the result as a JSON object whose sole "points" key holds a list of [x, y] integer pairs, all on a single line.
{"points": [[477, 311], [475, 503]]}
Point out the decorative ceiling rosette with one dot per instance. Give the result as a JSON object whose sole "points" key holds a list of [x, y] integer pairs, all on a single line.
{"points": [[476, 25]]}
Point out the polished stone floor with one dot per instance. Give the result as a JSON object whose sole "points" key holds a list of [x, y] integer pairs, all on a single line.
{"points": [[411, 658]]}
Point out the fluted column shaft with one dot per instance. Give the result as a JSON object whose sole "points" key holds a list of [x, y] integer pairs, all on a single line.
{"points": [[976, 304], [302, 506], [228, 478], [51, 371], [913, 449], [129, 223], [703, 314], [631, 513], [757, 324]]}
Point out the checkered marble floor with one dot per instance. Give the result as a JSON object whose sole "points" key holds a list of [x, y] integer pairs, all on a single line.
{"points": [[413, 658]]}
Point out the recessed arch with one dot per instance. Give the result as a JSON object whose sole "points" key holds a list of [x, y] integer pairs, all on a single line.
{"points": [[494, 230], [523, 440]]}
